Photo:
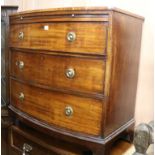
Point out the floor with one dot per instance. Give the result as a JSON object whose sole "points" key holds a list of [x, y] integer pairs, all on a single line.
{"points": [[125, 148]]}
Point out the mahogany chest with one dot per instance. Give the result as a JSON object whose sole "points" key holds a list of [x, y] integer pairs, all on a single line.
{"points": [[73, 72]]}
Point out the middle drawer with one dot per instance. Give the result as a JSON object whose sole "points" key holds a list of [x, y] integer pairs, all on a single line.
{"points": [[79, 74]]}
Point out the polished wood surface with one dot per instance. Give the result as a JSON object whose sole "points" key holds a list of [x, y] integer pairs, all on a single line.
{"points": [[50, 70], [90, 37], [18, 142], [41, 144], [50, 107], [52, 146], [124, 70], [105, 56], [76, 10]]}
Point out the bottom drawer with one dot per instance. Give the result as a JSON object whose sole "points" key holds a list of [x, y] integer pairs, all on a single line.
{"points": [[74, 113], [30, 142]]}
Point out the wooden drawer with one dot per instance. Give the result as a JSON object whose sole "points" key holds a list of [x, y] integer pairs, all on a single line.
{"points": [[53, 71], [89, 37], [71, 112], [38, 143], [20, 143]]}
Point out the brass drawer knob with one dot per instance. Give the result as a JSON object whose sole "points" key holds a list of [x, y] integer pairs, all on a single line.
{"points": [[68, 111], [71, 36], [21, 96], [70, 73], [20, 64], [26, 149], [21, 35]]}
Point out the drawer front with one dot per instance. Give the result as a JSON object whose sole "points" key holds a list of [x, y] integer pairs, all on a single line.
{"points": [[20, 142], [38, 143], [81, 37], [71, 112], [71, 73]]}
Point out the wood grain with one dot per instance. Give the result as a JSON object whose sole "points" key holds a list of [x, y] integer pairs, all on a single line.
{"points": [[90, 37], [126, 44], [49, 70], [50, 107], [75, 10], [50, 145], [115, 37], [19, 140], [59, 18]]}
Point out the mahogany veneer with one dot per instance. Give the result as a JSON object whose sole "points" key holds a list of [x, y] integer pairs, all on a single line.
{"points": [[49, 106], [74, 71], [35, 37], [50, 70]]}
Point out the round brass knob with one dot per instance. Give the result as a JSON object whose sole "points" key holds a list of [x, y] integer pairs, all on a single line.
{"points": [[21, 96], [21, 35], [20, 64], [68, 111], [70, 73], [71, 36]]}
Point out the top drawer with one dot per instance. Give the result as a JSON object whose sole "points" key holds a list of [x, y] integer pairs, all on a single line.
{"points": [[81, 37]]}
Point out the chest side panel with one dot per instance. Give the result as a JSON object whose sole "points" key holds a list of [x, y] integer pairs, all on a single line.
{"points": [[126, 41]]}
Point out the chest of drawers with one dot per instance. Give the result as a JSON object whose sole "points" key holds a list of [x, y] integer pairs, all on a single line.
{"points": [[73, 72]]}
